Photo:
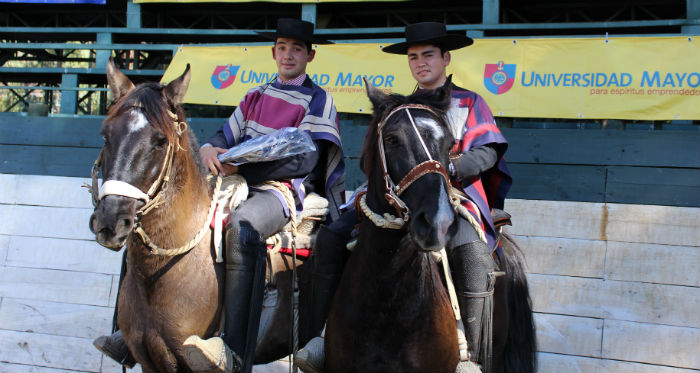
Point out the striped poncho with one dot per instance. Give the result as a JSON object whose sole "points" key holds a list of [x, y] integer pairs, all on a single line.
{"points": [[473, 125], [307, 107]]}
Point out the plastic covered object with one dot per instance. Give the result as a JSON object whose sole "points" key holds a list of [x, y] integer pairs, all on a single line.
{"points": [[282, 143]]}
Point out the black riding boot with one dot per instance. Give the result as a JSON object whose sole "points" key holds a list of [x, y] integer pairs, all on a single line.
{"points": [[328, 258], [244, 290], [243, 296], [473, 267], [330, 255]]}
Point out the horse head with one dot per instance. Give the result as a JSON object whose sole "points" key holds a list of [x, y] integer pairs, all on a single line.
{"points": [[142, 132], [408, 144]]}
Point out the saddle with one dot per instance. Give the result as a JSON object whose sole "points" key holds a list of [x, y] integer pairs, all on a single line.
{"points": [[234, 190], [500, 218]]}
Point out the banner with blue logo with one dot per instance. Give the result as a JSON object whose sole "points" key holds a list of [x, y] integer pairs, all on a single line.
{"points": [[645, 78], [98, 2]]}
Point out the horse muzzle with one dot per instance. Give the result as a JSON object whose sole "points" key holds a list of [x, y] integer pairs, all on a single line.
{"points": [[432, 230], [113, 221]]}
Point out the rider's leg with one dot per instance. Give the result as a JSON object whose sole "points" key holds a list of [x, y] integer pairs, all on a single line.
{"points": [[471, 262], [113, 345], [329, 257], [256, 218]]}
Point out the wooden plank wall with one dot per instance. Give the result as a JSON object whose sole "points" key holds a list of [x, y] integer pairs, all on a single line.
{"points": [[660, 167], [616, 287]]}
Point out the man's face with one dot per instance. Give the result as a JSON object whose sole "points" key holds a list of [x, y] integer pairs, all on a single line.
{"points": [[291, 56], [428, 65]]}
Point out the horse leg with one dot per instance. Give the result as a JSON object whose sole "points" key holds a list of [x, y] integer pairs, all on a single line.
{"points": [[161, 356]]}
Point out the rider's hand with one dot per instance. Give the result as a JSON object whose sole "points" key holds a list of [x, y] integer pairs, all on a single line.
{"points": [[209, 157]]}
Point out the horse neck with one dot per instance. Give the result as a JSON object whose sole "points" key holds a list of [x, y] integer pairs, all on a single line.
{"points": [[185, 206]]}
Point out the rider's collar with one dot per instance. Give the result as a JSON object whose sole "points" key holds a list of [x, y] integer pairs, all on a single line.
{"points": [[299, 80]]}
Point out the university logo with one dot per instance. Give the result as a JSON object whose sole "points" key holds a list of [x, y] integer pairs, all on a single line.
{"points": [[224, 76], [498, 78]]}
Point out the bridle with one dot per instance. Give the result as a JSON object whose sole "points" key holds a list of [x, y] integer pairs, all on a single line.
{"points": [[393, 191], [152, 198]]}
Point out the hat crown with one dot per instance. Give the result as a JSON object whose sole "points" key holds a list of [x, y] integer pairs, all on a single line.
{"points": [[291, 26], [424, 31]]}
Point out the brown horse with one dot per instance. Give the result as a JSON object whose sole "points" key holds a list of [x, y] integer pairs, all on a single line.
{"points": [[172, 287], [392, 311]]}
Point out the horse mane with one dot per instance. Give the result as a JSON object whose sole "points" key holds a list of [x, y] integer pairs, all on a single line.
{"points": [[154, 105], [437, 100]]}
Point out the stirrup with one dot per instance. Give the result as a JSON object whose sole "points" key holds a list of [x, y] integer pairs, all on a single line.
{"points": [[115, 348], [311, 358], [467, 366], [210, 355]]}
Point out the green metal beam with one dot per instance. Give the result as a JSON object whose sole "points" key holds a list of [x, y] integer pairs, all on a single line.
{"points": [[692, 12], [133, 15], [51, 88], [61, 70], [308, 13], [490, 12], [367, 30], [69, 97], [102, 55]]}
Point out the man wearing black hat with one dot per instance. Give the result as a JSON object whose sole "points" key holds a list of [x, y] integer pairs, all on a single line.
{"points": [[291, 100], [477, 168]]}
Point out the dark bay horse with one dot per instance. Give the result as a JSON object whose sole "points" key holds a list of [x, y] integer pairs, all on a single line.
{"points": [[392, 312], [156, 199]]}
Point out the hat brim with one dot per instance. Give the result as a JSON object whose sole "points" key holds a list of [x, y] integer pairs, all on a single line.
{"points": [[447, 42], [274, 35]]}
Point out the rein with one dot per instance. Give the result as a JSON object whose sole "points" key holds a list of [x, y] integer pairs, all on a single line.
{"points": [[152, 198]]}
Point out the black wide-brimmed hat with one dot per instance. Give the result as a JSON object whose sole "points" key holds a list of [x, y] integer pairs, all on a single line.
{"points": [[294, 29], [429, 33]]}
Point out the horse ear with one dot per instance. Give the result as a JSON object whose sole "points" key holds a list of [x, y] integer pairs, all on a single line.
{"points": [[118, 82], [377, 97], [176, 89]]}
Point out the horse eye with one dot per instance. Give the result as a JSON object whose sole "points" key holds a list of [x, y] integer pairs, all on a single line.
{"points": [[159, 141], [391, 140]]}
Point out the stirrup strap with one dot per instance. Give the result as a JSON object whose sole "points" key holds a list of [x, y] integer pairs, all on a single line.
{"points": [[486, 352], [461, 337]]}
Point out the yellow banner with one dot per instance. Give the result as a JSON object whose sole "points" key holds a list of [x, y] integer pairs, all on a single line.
{"points": [[645, 78], [251, 1]]}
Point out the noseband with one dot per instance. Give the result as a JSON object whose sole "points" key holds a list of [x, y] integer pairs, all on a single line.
{"points": [[153, 197], [392, 191]]}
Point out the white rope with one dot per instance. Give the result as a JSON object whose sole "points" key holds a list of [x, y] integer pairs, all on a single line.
{"points": [[232, 192], [189, 245], [461, 338], [387, 221], [463, 212]]}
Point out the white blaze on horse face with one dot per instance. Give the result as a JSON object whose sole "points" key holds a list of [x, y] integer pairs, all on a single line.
{"points": [[137, 121], [445, 213], [432, 126]]}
